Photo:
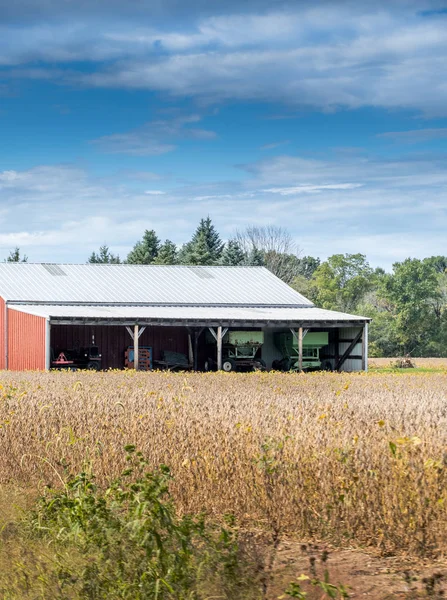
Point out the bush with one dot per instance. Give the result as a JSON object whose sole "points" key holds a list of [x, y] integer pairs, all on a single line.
{"points": [[127, 541], [405, 362]]}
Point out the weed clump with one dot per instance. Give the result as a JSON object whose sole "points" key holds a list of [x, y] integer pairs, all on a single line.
{"points": [[128, 541]]}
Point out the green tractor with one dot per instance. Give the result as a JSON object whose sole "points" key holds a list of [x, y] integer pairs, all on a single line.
{"points": [[287, 344]]}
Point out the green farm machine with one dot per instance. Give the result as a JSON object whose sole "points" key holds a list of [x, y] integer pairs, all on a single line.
{"points": [[287, 344], [240, 352]]}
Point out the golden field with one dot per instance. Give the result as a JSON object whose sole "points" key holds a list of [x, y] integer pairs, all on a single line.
{"points": [[352, 459]]}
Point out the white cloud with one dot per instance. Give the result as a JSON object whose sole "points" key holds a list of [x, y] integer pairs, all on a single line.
{"points": [[387, 209], [416, 135], [154, 138], [273, 145], [309, 189], [326, 55]]}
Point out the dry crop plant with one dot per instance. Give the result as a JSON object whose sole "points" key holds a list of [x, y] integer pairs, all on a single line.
{"points": [[347, 458]]}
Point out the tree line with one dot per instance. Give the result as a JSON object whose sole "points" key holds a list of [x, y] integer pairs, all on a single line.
{"points": [[408, 305]]}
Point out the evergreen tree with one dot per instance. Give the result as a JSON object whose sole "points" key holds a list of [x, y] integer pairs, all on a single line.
{"points": [[14, 256], [198, 253], [255, 258], [104, 256], [205, 243], [167, 254], [233, 254], [146, 250]]}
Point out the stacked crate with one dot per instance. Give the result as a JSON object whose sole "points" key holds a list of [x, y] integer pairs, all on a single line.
{"points": [[144, 358]]}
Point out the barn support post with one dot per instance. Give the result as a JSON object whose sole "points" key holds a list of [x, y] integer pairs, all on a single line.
{"points": [[47, 344], [135, 335], [190, 350], [136, 342], [300, 349], [365, 348], [218, 335], [219, 348], [197, 333]]}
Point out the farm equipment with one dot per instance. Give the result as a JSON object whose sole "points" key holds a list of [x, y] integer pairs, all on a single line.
{"points": [[82, 358], [287, 344], [173, 361], [240, 350]]}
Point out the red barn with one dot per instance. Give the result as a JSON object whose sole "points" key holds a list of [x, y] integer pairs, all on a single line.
{"points": [[48, 307]]}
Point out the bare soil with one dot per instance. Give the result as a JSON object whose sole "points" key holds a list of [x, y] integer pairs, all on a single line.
{"points": [[365, 574]]}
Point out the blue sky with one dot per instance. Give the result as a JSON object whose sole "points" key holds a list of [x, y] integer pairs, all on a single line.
{"points": [[327, 118]]}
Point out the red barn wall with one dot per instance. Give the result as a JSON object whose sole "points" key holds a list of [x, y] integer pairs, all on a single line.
{"points": [[2, 334], [26, 341], [113, 340]]}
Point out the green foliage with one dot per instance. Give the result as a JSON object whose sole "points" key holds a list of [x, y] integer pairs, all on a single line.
{"points": [[129, 542], [255, 258], [145, 251], [104, 256], [232, 255], [15, 256], [407, 306], [411, 291], [342, 281], [205, 247], [167, 254]]}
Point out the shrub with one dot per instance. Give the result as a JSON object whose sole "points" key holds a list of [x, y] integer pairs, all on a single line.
{"points": [[128, 541]]}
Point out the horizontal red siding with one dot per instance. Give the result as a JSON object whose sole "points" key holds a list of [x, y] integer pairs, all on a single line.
{"points": [[26, 336]]}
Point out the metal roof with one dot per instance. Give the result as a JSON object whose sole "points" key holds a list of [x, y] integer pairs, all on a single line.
{"points": [[145, 284], [188, 315]]}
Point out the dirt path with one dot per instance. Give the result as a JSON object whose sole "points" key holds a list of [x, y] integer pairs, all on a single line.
{"points": [[364, 574]]}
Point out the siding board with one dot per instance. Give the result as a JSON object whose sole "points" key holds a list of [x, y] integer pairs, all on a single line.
{"points": [[26, 341]]}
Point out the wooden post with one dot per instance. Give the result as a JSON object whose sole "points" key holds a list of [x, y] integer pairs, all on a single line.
{"points": [[136, 337], [197, 333], [219, 348], [365, 348], [190, 352], [300, 349]]}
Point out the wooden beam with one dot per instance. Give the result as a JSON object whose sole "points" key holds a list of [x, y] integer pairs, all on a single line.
{"points": [[197, 333], [136, 357], [300, 349], [219, 348], [350, 348], [190, 351], [365, 347]]}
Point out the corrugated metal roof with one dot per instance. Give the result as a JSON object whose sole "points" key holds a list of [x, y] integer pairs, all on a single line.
{"points": [[188, 313], [145, 284]]}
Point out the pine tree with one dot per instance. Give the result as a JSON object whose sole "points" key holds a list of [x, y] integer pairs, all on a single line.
{"points": [[146, 250], [167, 254], [205, 242], [233, 254], [14, 256], [104, 256], [198, 253], [255, 258]]}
